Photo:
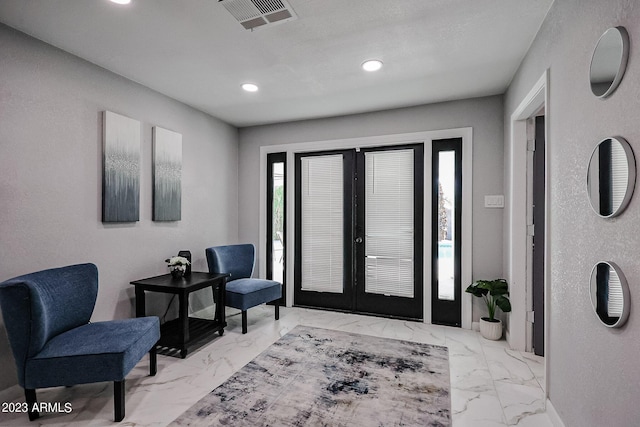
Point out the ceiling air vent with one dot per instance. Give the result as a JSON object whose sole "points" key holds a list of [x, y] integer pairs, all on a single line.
{"points": [[257, 13]]}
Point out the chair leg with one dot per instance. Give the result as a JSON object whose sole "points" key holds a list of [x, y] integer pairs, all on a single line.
{"points": [[277, 304], [153, 361], [118, 400], [30, 395], [244, 321]]}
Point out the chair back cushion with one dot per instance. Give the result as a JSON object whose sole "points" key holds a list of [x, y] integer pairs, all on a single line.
{"points": [[38, 306], [237, 260]]}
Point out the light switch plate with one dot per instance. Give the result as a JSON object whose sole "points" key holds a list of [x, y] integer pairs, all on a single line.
{"points": [[494, 201]]}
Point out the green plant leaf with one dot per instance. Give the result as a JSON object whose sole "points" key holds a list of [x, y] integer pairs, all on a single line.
{"points": [[500, 291], [494, 294], [476, 291], [503, 303]]}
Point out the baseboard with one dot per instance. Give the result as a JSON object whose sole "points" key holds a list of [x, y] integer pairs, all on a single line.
{"points": [[475, 326], [553, 415]]}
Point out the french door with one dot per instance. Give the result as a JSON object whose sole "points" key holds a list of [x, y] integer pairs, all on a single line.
{"points": [[359, 230]]}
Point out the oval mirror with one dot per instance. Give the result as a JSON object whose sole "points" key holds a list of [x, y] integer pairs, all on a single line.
{"points": [[609, 61], [611, 177], [609, 294]]}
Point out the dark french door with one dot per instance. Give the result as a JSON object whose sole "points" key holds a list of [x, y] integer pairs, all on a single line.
{"points": [[359, 230], [323, 270]]}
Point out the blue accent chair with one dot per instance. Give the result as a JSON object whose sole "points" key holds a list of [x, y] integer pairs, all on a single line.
{"points": [[47, 314], [243, 292]]}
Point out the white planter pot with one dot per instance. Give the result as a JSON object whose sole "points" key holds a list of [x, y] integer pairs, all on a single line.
{"points": [[491, 330]]}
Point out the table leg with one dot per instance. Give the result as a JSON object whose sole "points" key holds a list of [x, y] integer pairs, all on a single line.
{"points": [[220, 307], [183, 299], [140, 303], [215, 290]]}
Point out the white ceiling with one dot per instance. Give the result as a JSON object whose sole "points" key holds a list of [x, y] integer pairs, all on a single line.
{"points": [[196, 52]]}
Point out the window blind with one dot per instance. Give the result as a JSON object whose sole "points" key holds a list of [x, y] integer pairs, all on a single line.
{"points": [[614, 303], [619, 174], [389, 223], [322, 223]]}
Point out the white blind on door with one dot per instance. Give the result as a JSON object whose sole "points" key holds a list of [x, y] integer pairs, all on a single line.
{"points": [[322, 223], [389, 223]]}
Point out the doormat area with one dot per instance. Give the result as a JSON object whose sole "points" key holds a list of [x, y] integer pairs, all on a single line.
{"points": [[320, 377]]}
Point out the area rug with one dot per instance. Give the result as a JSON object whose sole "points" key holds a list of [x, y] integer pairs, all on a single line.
{"points": [[320, 377]]}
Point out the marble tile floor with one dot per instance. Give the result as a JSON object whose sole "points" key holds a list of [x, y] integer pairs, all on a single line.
{"points": [[491, 385]]}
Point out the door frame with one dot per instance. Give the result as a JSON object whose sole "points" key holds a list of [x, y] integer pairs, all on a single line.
{"points": [[518, 262], [372, 141]]}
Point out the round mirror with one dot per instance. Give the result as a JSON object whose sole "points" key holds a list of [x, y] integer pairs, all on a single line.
{"points": [[611, 177], [609, 61], [609, 294]]}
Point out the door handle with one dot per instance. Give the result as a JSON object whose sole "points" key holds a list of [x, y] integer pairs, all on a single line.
{"points": [[358, 240]]}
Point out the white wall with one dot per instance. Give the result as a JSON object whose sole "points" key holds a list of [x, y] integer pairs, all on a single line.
{"points": [[593, 371], [50, 179], [484, 115]]}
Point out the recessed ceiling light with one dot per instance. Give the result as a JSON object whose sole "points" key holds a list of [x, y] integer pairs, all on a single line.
{"points": [[121, 1], [372, 65], [249, 87]]}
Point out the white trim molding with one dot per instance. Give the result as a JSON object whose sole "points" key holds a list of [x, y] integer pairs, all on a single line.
{"points": [[553, 414], [516, 250], [425, 137], [518, 264]]}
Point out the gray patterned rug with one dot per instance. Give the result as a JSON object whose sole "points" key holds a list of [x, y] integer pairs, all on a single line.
{"points": [[319, 377]]}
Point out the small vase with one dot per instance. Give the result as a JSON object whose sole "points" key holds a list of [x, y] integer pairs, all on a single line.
{"points": [[177, 274], [490, 330]]}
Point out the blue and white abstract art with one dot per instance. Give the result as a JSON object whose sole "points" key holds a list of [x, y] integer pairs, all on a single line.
{"points": [[121, 169], [167, 175]]}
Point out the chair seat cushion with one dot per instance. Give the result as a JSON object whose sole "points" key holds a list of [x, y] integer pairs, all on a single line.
{"points": [[101, 351], [246, 293]]}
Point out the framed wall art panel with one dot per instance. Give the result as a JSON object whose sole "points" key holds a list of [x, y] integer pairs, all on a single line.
{"points": [[121, 169], [167, 175]]}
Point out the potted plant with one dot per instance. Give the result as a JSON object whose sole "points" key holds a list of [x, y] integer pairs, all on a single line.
{"points": [[495, 294], [178, 266]]}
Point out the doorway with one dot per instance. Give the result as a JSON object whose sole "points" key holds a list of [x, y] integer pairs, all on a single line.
{"points": [[425, 138], [519, 227], [538, 213], [359, 230]]}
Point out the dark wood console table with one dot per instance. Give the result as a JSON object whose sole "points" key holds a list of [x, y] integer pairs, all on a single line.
{"points": [[180, 333]]}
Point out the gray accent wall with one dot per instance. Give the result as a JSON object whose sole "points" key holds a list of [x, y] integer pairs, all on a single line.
{"points": [[593, 371], [51, 107], [484, 115]]}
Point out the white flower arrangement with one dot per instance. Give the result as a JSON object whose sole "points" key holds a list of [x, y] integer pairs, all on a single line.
{"points": [[178, 263]]}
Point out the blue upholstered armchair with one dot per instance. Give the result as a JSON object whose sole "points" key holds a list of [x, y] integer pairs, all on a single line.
{"points": [[47, 314], [243, 292]]}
